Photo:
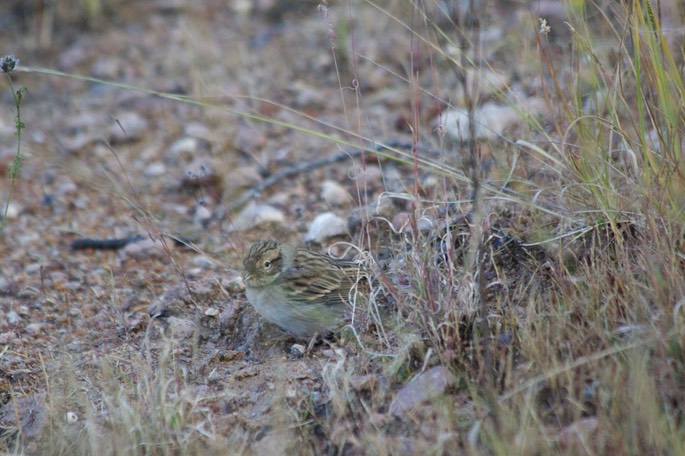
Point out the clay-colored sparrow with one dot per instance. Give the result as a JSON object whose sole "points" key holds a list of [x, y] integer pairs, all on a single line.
{"points": [[301, 291]]}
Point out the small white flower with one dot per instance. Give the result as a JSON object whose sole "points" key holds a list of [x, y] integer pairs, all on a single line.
{"points": [[544, 28]]}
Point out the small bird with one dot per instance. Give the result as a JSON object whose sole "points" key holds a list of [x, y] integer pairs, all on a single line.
{"points": [[301, 291]]}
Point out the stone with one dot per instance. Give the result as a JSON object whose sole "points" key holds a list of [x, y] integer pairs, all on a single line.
{"points": [[254, 215], [154, 169], [429, 385], [326, 226], [203, 262], [147, 248], [129, 126], [334, 194], [186, 146], [491, 120], [212, 312]]}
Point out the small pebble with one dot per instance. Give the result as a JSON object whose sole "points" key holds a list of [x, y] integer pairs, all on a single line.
{"points": [[203, 261], [13, 317], [198, 130], [326, 226], [234, 284], [129, 126], [491, 119], [147, 248], [212, 312], [426, 386], [65, 186], [297, 350], [254, 215], [34, 328], [77, 142], [202, 216], [32, 268], [334, 194], [71, 417], [154, 169], [13, 210], [184, 146]]}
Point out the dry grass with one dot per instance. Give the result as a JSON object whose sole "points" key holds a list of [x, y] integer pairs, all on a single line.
{"points": [[557, 303], [580, 350]]}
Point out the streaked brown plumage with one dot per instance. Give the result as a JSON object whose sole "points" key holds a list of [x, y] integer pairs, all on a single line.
{"points": [[299, 290]]}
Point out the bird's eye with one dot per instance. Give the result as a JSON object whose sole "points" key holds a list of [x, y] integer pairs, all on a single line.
{"points": [[267, 264]]}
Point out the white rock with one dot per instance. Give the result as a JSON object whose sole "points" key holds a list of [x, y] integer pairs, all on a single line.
{"points": [[456, 123], [13, 317], [242, 7], [184, 146], [65, 186], [34, 328], [298, 350], [13, 210], [129, 126], [212, 312], [146, 248], [77, 142], [334, 194], [154, 169], [202, 215], [198, 130], [203, 262], [256, 214], [491, 120], [325, 226], [33, 268]]}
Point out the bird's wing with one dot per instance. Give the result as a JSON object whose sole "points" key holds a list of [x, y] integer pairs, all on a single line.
{"points": [[317, 277]]}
